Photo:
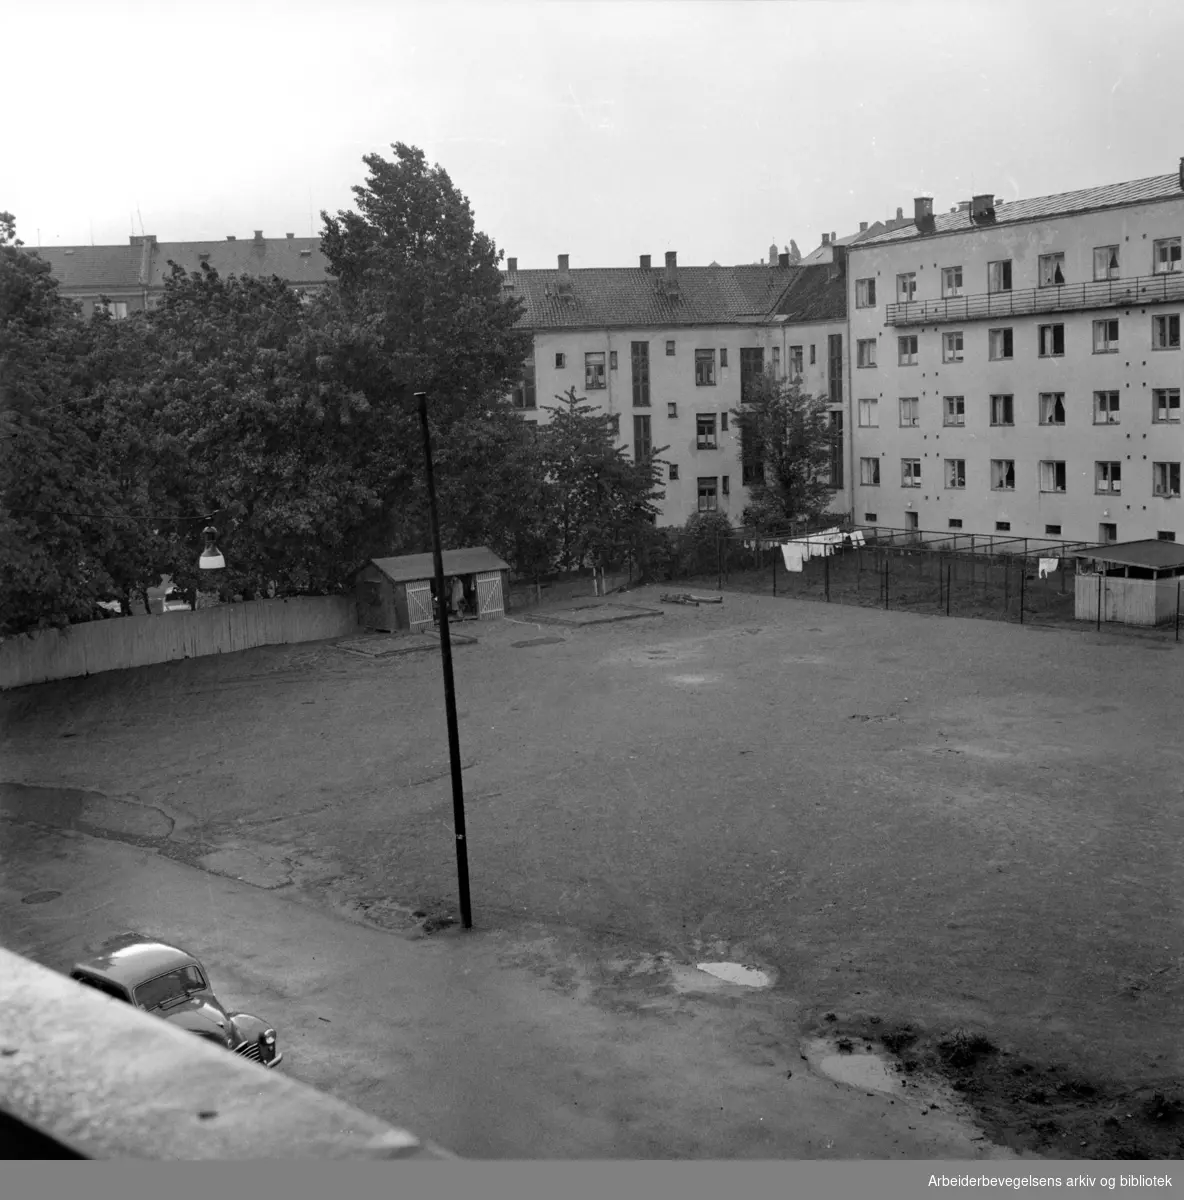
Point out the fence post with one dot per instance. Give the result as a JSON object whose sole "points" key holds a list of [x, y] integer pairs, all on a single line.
{"points": [[1023, 583], [719, 563], [1006, 585], [1100, 601], [826, 575], [776, 555], [1177, 610], [885, 579], [948, 572]]}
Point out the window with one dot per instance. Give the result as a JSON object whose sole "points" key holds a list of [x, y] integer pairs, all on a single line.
{"points": [[906, 287], [1000, 344], [951, 347], [1052, 408], [705, 368], [524, 390], [999, 276], [1052, 476], [101, 985], [1108, 477], [643, 441], [910, 472], [705, 431], [834, 369], [865, 293], [708, 497], [1107, 532], [1002, 410], [836, 448], [951, 281], [1166, 256], [167, 989], [614, 424], [752, 367], [594, 370], [868, 418], [865, 352], [1052, 340], [909, 411], [723, 358], [907, 350], [1166, 535], [1105, 337], [1165, 332], [1165, 406], [1052, 270], [813, 359], [1052, 531], [116, 309], [1165, 477], [1002, 526], [1003, 475], [723, 422], [674, 470], [1106, 408], [870, 518], [560, 361], [726, 484], [672, 409], [954, 410], [669, 349], [1105, 262], [955, 522], [639, 361], [796, 361], [956, 473], [869, 472]]}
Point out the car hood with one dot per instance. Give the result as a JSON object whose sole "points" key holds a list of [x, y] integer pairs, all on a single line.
{"points": [[203, 1015]]}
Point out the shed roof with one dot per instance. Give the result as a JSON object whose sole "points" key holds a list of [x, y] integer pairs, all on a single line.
{"points": [[467, 561], [1150, 553]]}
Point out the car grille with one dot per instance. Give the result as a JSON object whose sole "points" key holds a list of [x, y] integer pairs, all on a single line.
{"points": [[249, 1050]]}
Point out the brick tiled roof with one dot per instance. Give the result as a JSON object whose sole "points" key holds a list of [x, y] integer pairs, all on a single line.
{"points": [[617, 297], [1112, 195], [92, 266], [817, 293], [245, 256]]}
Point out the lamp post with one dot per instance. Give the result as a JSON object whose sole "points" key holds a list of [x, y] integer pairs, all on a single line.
{"points": [[458, 795]]}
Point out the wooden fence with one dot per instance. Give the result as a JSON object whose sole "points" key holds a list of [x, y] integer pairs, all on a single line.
{"points": [[1127, 601], [122, 642]]}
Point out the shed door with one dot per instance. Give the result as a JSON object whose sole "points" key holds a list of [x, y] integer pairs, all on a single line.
{"points": [[489, 595], [419, 605]]}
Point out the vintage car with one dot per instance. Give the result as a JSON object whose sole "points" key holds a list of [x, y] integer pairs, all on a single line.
{"points": [[172, 984]]}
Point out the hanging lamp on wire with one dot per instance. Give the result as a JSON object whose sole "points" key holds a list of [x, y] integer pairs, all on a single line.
{"points": [[211, 557]]}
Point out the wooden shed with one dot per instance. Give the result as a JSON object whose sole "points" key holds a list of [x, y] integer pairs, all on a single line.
{"points": [[1134, 583], [399, 593]]}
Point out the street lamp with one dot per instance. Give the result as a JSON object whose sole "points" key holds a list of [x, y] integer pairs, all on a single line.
{"points": [[458, 796]]}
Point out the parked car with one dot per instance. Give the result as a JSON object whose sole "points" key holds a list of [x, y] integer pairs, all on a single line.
{"points": [[172, 984]]}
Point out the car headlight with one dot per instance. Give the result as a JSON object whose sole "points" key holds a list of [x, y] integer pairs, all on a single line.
{"points": [[269, 1037]]}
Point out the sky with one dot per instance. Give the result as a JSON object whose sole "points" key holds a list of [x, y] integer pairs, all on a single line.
{"points": [[601, 130]]}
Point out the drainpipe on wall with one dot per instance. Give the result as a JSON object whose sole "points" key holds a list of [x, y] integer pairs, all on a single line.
{"points": [[848, 398]]}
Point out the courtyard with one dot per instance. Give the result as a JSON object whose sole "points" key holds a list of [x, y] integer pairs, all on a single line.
{"points": [[936, 827]]}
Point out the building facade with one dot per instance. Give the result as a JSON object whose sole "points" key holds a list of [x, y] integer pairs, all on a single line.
{"points": [[131, 278], [1017, 368], [667, 352]]}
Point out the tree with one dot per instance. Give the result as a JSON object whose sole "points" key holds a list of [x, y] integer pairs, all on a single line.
{"points": [[598, 502], [785, 439]]}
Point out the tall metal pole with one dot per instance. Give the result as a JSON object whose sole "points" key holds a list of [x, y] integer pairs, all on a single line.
{"points": [[458, 795]]}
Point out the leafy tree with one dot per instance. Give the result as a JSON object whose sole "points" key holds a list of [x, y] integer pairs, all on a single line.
{"points": [[787, 433], [698, 543]]}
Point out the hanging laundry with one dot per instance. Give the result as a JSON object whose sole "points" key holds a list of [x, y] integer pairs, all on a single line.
{"points": [[857, 537], [791, 555], [1048, 566]]}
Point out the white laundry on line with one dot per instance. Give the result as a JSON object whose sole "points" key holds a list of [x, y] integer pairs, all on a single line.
{"points": [[791, 555], [857, 537], [1048, 566]]}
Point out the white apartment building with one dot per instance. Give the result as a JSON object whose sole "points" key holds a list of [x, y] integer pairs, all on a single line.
{"points": [[1018, 367], [666, 352]]}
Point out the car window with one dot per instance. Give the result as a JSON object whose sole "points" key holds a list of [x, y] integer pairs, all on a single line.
{"points": [[165, 989], [99, 985]]}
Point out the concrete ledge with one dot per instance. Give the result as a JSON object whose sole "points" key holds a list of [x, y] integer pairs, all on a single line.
{"points": [[102, 1080]]}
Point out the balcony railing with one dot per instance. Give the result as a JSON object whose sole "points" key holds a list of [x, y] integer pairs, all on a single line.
{"points": [[1104, 293]]}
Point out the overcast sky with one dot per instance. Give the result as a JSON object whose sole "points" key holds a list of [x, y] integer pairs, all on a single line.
{"points": [[602, 130]]}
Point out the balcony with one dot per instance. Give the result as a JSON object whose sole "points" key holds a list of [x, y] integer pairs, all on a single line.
{"points": [[86, 1077], [1076, 297]]}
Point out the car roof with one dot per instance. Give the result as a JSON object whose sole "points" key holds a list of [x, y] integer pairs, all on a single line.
{"points": [[131, 959]]}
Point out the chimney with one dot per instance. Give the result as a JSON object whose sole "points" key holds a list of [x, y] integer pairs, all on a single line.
{"points": [[230, 237], [289, 236], [982, 208], [645, 262], [564, 276], [900, 214], [258, 235], [1182, 174], [671, 278], [963, 205], [783, 260], [863, 227], [826, 239], [922, 208], [834, 237], [511, 264]]}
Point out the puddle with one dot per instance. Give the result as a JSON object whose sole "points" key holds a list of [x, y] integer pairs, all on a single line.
{"points": [[40, 897], [859, 1067], [737, 973]]}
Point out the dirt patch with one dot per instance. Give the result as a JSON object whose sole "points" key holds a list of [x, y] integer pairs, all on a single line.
{"points": [[595, 614]]}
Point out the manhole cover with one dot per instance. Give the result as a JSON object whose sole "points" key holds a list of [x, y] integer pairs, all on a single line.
{"points": [[40, 897]]}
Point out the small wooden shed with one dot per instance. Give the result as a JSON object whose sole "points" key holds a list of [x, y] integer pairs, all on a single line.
{"points": [[1134, 583], [398, 593]]}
